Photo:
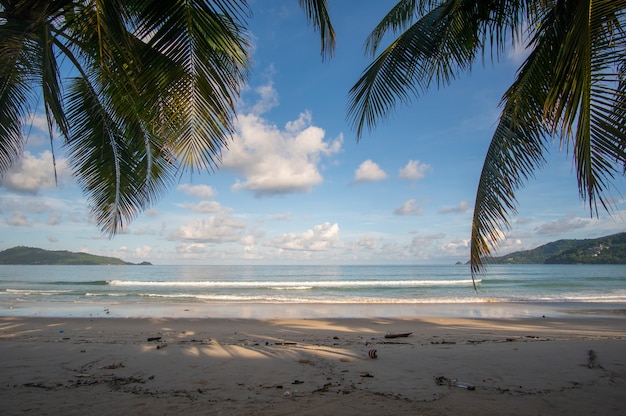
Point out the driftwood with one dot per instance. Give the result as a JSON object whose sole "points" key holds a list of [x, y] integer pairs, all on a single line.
{"points": [[398, 335]]}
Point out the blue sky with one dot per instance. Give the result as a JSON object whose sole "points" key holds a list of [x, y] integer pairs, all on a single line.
{"points": [[295, 187]]}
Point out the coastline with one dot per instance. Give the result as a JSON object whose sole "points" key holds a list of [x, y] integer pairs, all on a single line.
{"points": [[570, 363], [294, 310]]}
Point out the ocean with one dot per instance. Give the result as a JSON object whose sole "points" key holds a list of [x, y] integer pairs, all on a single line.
{"points": [[245, 291]]}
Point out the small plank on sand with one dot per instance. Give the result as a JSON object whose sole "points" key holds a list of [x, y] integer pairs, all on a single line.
{"points": [[397, 334]]}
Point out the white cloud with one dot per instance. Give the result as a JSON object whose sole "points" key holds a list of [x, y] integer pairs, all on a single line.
{"points": [[414, 170], [278, 162], [409, 208], [142, 252], [456, 248], [321, 237], [369, 171], [268, 99], [220, 228], [282, 217], [198, 191], [462, 207], [32, 173], [204, 206], [18, 219], [563, 225], [367, 242], [421, 244], [54, 219], [518, 51], [35, 128], [248, 240], [426, 240], [190, 249]]}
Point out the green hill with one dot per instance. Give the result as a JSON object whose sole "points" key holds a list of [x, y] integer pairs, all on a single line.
{"points": [[32, 256], [604, 250]]}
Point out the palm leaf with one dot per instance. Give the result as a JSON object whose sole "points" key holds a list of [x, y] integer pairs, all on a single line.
{"points": [[206, 52], [441, 44], [317, 13], [570, 86], [14, 91], [587, 98]]}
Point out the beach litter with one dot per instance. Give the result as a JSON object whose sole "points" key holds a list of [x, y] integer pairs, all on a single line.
{"points": [[397, 334], [466, 385], [445, 381]]}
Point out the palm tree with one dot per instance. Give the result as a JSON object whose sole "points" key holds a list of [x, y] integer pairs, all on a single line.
{"points": [[141, 90], [572, 86]]}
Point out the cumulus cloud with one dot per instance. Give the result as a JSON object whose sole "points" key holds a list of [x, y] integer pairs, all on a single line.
{"points": [[409, 208], [367, 242], [462, 207], [142, 252], [414, 170], [220, 228], [268, 99], [369, 171], [198, 191], [321, 237], [426, 245], [190, 249], [426, 240], [204, 206], [54, 219], [456, 248], [523, 220], [518, 51], [33, 173], [286, 216], [275, 161], [563, 225], [18, 219]]}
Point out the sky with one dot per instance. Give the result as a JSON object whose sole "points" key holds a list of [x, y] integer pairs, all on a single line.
{"points": [[295, 185]]}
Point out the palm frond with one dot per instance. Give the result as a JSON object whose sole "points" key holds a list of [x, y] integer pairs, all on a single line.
{"points": [[14, 89], [108, 158], [17, 57], [572, 86], [207, 51], [587, 99], [441, 44], [436, 47], [515, 152], [401, 16], [317, 14]]}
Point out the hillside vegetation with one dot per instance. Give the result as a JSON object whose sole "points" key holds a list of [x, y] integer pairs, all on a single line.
{"points": [[33, 256], [604, 250]]}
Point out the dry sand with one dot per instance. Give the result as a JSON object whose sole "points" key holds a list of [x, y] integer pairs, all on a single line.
{"points": [[113, 366]]}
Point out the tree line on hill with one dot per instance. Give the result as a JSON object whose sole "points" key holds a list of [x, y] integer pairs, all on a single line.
{"points": [[37, 256], [604, 250]]}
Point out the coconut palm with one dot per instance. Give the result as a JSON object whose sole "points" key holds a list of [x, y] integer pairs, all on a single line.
{"points": [[140, 90], [571, 87]]}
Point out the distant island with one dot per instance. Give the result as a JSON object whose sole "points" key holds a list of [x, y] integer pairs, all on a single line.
{"points": [[37, 256], [604, 250]]}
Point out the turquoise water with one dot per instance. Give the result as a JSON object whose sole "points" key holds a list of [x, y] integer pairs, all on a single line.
{"points": [[88, 290]]}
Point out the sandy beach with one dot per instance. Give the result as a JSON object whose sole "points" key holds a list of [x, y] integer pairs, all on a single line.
{"points": [[446, 366]]}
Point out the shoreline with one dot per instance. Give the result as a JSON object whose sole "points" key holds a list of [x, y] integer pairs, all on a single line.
{"points": [[493, 309], [197, 366]]}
